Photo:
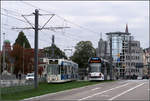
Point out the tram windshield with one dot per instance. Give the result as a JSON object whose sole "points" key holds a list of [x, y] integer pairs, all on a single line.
{"points": [[95, 67], [53, 69]]}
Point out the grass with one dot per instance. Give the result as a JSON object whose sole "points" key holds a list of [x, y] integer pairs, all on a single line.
{"points": [[45, 88]]}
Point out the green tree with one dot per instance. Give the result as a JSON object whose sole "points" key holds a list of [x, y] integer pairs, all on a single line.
{"points": [[21, 39], [84, 50], [57, 52], [17, 53]]}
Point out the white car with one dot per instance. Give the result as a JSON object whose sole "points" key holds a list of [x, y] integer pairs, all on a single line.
{"points": [[30, 76], [139, 78]]}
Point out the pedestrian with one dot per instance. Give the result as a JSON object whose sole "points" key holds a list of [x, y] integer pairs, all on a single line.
{"points": [[19, 76]]}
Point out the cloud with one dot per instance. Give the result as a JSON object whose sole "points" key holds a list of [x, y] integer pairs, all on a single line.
{"points": [[98, 16]]}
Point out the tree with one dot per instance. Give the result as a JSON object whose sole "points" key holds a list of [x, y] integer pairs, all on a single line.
{"points": [[21, 39], [19, 55], [84, 50], [57, 52]]}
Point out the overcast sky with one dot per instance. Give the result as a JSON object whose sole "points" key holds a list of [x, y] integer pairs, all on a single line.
{"points": [[93, 18]]}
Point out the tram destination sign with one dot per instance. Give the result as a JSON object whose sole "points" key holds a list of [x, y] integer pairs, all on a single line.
{"points": [[53, 61], [95, 60]]}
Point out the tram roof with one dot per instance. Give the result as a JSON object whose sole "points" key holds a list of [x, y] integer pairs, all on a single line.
{"points": [[59, 60]]}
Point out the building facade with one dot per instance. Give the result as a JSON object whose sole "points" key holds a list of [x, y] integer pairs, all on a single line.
{"points": [[134, 59], [127, 53], [101, 51], [146, 61], [119, 43]]}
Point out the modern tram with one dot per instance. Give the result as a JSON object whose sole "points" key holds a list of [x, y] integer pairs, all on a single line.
{"points": [[97, 68], [61, 70]]}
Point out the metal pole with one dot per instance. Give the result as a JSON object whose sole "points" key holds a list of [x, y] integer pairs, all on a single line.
{"points": [[23, 57], [105, 68], [4, 52], [36, 49], [130, 57], [53, 39], [111, 57], [0, 54]]}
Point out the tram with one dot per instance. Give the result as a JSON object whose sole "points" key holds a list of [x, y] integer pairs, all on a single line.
{"points": [[97, 67], [61, 70]]}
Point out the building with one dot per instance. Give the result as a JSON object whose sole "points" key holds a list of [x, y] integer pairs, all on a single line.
{"points": [[126, 53], [101, 51], [119, 42], [146, 61], [134, 59], [6, 50]]}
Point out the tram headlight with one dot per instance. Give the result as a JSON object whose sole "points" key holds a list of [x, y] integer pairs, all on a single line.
{"points": [[100, 74], [89, 75]]}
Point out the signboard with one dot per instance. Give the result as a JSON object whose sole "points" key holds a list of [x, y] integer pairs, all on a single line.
{"points": [[53, 61], [95, 60], [118, 59]]}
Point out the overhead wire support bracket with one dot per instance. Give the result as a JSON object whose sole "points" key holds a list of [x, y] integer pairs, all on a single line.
{"points": [[48, 21], [53, 28], [27, 21], [46, 14], [22, 28], [29, 15]]}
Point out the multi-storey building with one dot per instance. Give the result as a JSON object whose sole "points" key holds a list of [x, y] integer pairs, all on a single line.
{"points": [[119, 44], [101, 51], [134, 59], [146, 61], [126, 53]]}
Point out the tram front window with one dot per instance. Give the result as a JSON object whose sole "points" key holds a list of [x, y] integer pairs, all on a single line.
{"points": [[53, 69], [95, 67]]}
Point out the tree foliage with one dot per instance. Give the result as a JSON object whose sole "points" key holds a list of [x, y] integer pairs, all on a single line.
{"points": [[21, 39], [57, 52], [84, 50], [19, 55]]}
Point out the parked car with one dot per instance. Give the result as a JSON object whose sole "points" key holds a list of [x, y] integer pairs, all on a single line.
{"points": [[139, 77], [145, 77], [30, 76]]}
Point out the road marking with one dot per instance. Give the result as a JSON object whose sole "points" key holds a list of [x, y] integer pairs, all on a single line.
{"points": [[40, 96], [95, 88], [104, 95], [125, 92], [103, 92], [36, 97]]}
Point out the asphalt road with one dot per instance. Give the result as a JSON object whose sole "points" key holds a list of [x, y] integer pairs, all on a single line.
{"points": [[137, 90]]}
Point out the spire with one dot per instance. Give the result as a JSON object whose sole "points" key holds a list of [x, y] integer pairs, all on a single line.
{"points": [[101, 36], [126, 30]]}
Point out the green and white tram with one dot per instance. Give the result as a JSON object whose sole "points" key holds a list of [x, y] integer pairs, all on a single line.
{"points": [[61, 70]]}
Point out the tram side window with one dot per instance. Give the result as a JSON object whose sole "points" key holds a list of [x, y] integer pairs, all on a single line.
{"points": [[58, 69], [49, 69], [102, 67], [62, 70], [65, 69]]}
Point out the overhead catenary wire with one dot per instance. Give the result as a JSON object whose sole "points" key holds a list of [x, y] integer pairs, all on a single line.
{"points": [[87, 29], [14, 17], [63, 20], [32, 24]]}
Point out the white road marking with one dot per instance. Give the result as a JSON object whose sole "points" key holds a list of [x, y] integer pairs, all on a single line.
{"points": [[45, 95], [103, 92], [95, 88], [104, 95], [125, 92]]}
